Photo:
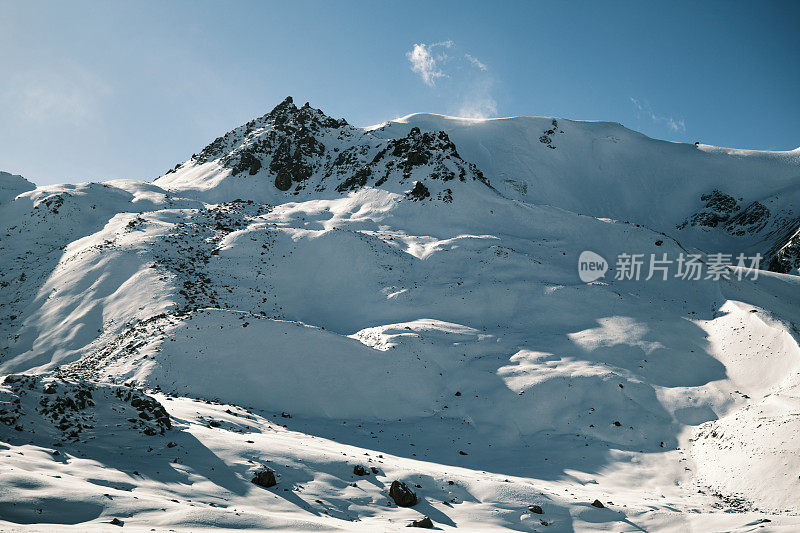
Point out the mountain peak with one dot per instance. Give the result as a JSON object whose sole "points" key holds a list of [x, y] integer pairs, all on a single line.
{"points": [[286, 113], [283, 111], [284, 117], [293, 149]]}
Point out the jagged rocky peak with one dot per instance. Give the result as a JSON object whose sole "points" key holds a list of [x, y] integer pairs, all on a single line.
{"points": [[260, 133], [286, 113], [297, 149]]}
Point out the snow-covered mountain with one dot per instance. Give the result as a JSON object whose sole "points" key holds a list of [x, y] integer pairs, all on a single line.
{"points": [[708, 197], [347, 307]]}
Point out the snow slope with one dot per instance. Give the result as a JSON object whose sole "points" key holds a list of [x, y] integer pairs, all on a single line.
{"points": [[11, 186], [307, 296], [604, 169]]}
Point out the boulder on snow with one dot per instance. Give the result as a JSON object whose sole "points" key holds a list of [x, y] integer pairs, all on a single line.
{"points": [[535, 509], [264, 478], [598, 504], [360, 470], [425, 523], [283, 181], [402, 495]]}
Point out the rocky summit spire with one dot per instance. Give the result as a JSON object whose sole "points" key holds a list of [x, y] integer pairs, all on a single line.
{"points": [[283, 112]]}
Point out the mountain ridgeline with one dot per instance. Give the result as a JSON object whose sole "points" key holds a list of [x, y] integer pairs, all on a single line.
{"points": [[712, 199]]}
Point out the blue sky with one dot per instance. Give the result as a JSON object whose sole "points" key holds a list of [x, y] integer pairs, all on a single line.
{"points": [[102, 90]]}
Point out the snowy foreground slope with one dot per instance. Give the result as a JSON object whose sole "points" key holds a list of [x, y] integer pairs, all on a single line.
{"points": [[310, 298]]}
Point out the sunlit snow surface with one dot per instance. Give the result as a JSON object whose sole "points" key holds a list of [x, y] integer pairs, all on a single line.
{"points": [[448, 344]]}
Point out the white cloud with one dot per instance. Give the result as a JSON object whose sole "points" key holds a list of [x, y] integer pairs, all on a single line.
{"points": [[465, 79], [424, 64], [644, 107]]}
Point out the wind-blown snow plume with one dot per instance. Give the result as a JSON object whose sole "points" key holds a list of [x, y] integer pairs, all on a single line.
{"points": [[644, 107], [469, 83], [477, 62], [477, 100]]}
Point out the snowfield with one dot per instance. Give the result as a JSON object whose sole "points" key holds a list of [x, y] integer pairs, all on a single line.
{"points": [[348, 307]]}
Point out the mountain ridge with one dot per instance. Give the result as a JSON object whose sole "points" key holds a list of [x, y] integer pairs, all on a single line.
{"points": [[598, 168]]}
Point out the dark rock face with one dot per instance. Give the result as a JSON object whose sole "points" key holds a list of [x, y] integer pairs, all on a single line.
{"points": [[294, 154], [248, 162], [264, 478], [425, 523], [720, 202], [787, 257], [598, 504], [717, 209], [283, 181], [356, 181], [751, 219], [419, 192], [725, 213], [402, 495], [723, 210]]}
